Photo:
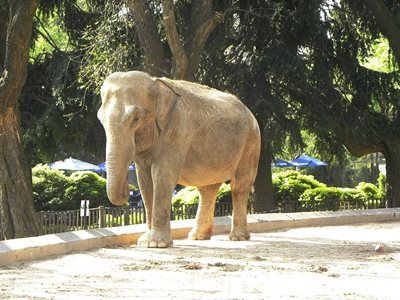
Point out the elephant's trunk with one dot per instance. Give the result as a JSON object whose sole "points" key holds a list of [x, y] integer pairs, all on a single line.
{"points": [[117, 183]]}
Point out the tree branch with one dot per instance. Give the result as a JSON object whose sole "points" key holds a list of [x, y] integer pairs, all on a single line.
{"points": [[387, 24], [155, 61], [47, 36], [198, 40], [179, 57]]}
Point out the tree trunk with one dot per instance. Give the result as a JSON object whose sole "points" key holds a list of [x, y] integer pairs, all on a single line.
{"points": [[263, 183], [17, 214], [155, 62], [203, 22], [185, 56], [392, 157], [18, 217], [3, 34]]}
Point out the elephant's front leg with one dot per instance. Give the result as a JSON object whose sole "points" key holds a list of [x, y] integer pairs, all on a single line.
{"points": [[159, 233], [146, 189]]}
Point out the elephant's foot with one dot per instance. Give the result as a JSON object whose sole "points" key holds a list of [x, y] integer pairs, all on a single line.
{"points": [[155, 239], [239, 235], [196, 234]]}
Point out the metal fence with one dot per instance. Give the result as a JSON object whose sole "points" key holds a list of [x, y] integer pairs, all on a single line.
{"points": [[71, 220], [63, 221]]}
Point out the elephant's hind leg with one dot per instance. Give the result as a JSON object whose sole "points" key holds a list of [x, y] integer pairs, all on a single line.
{"points": [[239, 230], [205, 213], [240, 187]]}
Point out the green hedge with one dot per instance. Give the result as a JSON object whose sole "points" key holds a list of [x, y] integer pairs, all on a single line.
{"points": [[310, 194], [290, 185], [190, 195], [56, 190], [321, 198]]}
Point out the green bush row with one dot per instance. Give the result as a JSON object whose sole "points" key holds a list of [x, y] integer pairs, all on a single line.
{"points": [[309, 193], [57, 190]]}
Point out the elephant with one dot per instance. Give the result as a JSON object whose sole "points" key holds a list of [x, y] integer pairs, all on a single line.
{"points": [[178, 132]]}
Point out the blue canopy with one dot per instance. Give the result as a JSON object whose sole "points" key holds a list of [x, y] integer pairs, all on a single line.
{"points": [[280, 163], [304, 161], [71, 164], [103, 167]]}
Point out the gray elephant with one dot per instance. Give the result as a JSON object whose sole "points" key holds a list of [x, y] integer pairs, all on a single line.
{"points": [[178, 132]]}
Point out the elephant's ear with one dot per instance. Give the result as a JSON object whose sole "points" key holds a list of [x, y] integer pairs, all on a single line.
{"points": [[166, 98]]}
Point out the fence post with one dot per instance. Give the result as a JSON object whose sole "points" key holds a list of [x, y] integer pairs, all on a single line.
{"points": [[125, 213], [102, 216]]}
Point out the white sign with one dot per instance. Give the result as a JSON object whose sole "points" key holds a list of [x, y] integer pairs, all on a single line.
{"points": [[84, 208]]}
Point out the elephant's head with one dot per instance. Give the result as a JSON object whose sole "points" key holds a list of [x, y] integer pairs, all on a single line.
{"points": [[134, 112]]}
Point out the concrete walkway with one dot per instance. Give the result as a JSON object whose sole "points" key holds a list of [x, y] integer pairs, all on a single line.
{"points": [[27, 249]]}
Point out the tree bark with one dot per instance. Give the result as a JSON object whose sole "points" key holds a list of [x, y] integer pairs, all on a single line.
{"points": [[203, 23], [263, 184], [3, 35], [179, 57], [391, 152], [185, 56], [155, 62], [17, 214]]}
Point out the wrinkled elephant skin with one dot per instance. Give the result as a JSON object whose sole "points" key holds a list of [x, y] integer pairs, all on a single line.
{"points": [[178, 132]]}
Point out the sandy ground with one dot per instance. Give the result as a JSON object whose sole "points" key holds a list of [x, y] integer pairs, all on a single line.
{"points": [[306, 263]]}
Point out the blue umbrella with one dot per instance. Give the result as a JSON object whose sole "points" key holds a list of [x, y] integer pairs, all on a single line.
{"points": [[282, 163], [72, 164], [103, 167], [303, 161]]}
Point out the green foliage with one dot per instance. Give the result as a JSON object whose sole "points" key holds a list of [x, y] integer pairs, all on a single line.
{"points": [[57, 115], [289, 185], [188, 195], [48, 188], [294, 187], [111, 45], [379, 58], [86, 185], [55, 190], [51, 36], [354, 196], [366, 195], [322, 198], [382, 182], [224, 193], [313, 195], [370, 190]]}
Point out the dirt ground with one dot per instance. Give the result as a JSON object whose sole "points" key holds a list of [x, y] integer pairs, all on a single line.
{"points": [[306, 263]]}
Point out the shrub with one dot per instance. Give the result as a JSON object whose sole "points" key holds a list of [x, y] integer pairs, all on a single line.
{"points": [[365, 195], [353, 198], [373, 194], [321, 198], [190, 195], [370, 190], [55, 190], [290, 185], [382, 184], [48, 188], [224, 194], [86, 185], [187, 195]]}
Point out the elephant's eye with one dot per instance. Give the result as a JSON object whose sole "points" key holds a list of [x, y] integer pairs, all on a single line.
{"points": [[132, 116], [134, 121]]}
